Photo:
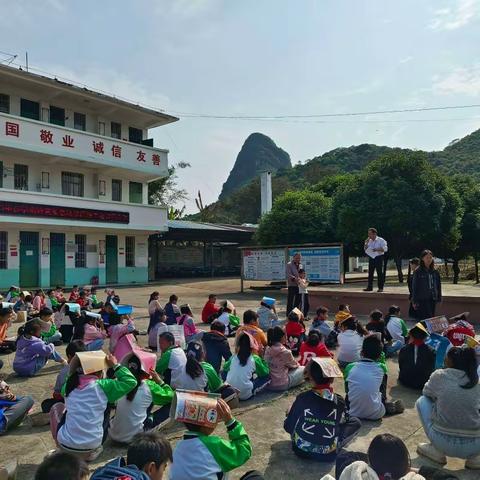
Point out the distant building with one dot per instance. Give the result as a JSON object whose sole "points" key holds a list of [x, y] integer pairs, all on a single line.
{"points": [[74, 171]]}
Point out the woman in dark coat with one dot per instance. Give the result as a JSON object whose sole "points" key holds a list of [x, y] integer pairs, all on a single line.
{"points": [[426, 287]]}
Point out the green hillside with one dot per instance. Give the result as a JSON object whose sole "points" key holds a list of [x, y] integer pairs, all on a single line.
{"points": [[243, 205]]}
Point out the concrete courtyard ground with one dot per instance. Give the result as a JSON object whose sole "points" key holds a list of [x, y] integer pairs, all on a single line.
{"points": [[262, 417]]}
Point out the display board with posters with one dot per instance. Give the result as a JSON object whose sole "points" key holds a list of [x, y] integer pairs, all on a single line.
{"points": [[321, 263], [263, 264]]}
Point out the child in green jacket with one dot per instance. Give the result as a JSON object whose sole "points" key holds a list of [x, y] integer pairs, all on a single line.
{"points": [[201, 455]]}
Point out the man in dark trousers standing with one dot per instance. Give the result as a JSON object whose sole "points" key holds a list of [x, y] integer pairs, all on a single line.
{"points": [[375, 247], [292, 278]]}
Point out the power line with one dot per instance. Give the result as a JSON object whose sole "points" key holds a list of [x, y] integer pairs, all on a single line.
{"points": [[322, 115], [12, 58]]}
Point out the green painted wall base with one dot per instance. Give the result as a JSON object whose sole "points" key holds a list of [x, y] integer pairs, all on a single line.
{"points": [[133, 275], [8, 278], [77, 276]]}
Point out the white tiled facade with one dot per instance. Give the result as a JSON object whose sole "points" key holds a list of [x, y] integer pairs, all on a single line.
{"points": [[73, 198]]}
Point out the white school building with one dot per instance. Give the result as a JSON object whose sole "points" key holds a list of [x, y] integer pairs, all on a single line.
{"points": [[74, 171]]}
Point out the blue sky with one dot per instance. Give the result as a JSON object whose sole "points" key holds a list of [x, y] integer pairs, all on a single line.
{"points": [[265, 57]]}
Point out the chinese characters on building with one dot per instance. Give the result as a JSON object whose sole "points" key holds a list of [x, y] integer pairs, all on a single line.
{"points": [[67, 140]]}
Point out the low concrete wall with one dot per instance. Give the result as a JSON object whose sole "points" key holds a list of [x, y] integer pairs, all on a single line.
{"points": [[362, 303]]}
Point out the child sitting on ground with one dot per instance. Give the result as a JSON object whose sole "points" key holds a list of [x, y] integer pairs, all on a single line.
{"points": [[397, 330], [118, 329], [366, 384], [147, 458], [172, 361], [191, 332], [71, 350], [342, 313], [52, 335], [350, 341], [90, 331], [134, 411], [250, 326], [7, 316], [317, 422], [83, 429], [216, 345], [376, 324], [416, 361], [159, 325], [245, 370], [198, 375], [74, 294], [171, 310], [62, 465], [320, 324], [313, 347], [32, 352], [285, 371], [229, 318], [210, 309], [203, 456], [387, 457], [295, 330], [13, 409], [267, 314]]}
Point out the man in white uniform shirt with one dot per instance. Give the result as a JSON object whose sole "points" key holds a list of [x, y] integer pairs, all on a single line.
{"points": [[375, 248]]}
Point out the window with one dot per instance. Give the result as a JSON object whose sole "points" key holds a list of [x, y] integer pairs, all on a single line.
{"points": [[116, 190], [72, 184], [129, 251], [79, 121], [45, 180], [135, 192], [115, 130], [135, 135], [80, 251], [102, 188], [3, 250], [29, 109], [20, 175], [4, 103], [57, 115]]}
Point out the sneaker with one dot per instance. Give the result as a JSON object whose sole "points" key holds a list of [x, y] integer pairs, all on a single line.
{"points": [[429, 451], [394, 407], [473, 463], [368, 289], [380, 290], [94, 454]]}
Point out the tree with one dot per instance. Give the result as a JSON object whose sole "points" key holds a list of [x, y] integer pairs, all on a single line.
{"points": [[469, 193], [296, 217], [411, 204], [165, 191]]}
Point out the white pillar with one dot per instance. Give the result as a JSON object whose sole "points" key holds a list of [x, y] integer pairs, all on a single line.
{"points": [[266, 192]]}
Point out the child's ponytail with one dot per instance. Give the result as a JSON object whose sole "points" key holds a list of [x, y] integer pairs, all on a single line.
{"points": [[195, 355], [73, 381], [135, 367]]}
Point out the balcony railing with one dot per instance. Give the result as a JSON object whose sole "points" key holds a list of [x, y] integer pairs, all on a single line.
{"points": [[47, 209], [53, 140]]}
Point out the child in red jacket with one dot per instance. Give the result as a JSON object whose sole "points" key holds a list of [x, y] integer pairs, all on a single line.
{"points": [[295, 330], [313, 347]]}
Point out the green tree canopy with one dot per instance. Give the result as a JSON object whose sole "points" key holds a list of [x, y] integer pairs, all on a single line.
{"points": [[404, 197], [297, 217]]}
